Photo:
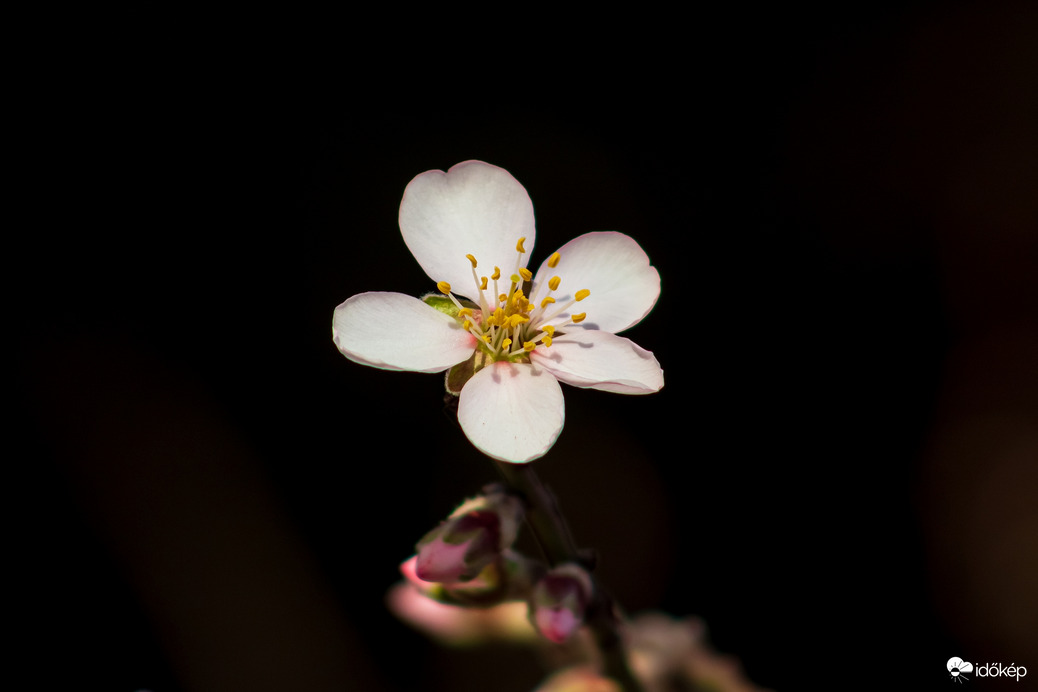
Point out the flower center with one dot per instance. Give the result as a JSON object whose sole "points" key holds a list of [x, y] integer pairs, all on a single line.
{"points": [[508, 324]]}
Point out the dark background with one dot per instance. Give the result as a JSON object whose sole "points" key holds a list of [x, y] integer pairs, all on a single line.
{"points": [[839, 475]]}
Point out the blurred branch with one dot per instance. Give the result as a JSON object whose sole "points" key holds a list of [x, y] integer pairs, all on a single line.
{"points": [[553, 535]]}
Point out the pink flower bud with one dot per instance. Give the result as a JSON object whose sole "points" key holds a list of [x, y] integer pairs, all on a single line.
{"points": [[508, 578], [469, 540], [559, 600]]}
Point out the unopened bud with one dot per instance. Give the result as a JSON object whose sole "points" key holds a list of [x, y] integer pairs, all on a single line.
{"points": [[559, 600], [508, 578], [470, 539]]}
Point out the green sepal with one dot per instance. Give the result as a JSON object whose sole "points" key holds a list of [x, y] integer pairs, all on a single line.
{"points": [[441, 303], [463, 372], [446, 305]]}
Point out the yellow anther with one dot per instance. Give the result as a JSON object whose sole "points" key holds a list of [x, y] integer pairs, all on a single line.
{"points": [[549, 330], [529, 346], [497, 274], [577, 319], [553, 261], [553, 284], [582, 294], [466, 325], [486, 338], [506, 343], [465, 312], [546, 341], [525, 273], [515, 320], [483, 287], [519, 246], [502, 298], [473, 260], [547, 301], [444, 287]]}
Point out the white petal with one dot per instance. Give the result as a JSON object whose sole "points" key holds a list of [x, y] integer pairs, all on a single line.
{"points": [[600, 360], [624, 286], [472, 209], [512, 411], [394, 331]]}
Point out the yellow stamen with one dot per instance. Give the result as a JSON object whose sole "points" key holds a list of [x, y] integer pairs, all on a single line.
{"points": [[553, 284], [546, 341], [473, 260], [515, 278], [486, 338], [529, 346], [502, 298], [506, 343], [515, 320], [519, 246], [525, 273], [465, 312], [582, 294], [497, 274], [547, 301], [549, 330], [466, 325], [444, 287], [484, 286], [553, 261], [577, 319]]}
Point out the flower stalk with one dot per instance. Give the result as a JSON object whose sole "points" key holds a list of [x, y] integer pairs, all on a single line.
{"points": [[552, 534]]}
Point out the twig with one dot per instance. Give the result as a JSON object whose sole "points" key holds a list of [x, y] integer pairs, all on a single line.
{"points": [[552, 533]]}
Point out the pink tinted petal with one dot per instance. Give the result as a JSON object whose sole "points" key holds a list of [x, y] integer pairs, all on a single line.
{"points": [[393, 331], [624, 286], [407, 568], [440, 561], [599, 360], [557, 624], [472, 209], [512, 411]]}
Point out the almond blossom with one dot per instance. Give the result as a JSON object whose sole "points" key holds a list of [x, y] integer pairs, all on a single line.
{"points": [[506, 335]]}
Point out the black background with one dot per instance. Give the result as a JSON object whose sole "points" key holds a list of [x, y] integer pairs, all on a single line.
{"points": [[838, 476]]}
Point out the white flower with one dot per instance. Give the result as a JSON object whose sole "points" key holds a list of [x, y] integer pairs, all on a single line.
{"points": [[521, 333]]}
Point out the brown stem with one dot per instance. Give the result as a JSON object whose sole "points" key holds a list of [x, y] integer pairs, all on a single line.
{"points": [[542, 514], [552, 533]]}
